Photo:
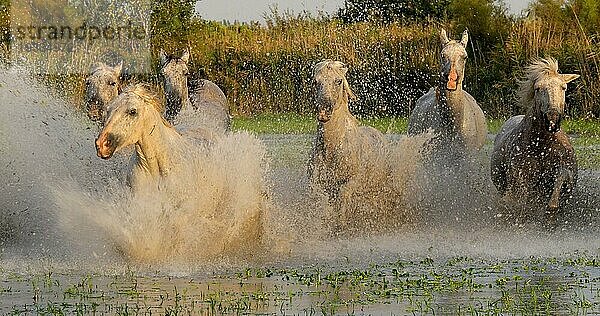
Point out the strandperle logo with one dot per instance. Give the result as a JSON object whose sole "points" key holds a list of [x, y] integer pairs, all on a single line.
{"points": [[82, 32], [71, 36]]}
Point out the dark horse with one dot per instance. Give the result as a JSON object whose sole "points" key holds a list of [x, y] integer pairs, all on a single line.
{"points": [[532, 156]]}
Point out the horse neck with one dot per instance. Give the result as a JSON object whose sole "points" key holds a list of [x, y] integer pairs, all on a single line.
{"points": [[450, 102], [534, 120], [156, 148], [334, 130], [178, 101]]}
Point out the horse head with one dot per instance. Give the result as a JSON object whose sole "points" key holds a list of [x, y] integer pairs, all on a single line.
{"points": [[453, 58], [548, 89], [101, 87], [174, 76], [130, 116], [332, 88]]}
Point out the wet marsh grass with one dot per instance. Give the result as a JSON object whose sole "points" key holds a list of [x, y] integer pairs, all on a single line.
{"points": [[586, 130], [291, 123], [458, 285]]}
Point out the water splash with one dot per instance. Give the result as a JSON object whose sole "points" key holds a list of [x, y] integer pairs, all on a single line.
{"points": [[60, 201]]}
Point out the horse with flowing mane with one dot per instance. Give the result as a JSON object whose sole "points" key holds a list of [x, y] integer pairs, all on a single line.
{"points": [[532, 155]]}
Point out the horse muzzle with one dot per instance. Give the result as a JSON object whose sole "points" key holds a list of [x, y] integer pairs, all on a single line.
{"points": [[452, 82], [553, 120], [95, 115], [106, 145], [94, 110], [323, 116]]}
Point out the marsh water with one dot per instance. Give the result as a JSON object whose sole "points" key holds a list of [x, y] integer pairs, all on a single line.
{"points": [[463, 249]]}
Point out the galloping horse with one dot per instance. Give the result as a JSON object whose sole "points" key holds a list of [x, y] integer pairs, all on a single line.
{"points": [[532, 156], [191, 98], [347, 158], [448, 110], [195, 174], [101, 86]]}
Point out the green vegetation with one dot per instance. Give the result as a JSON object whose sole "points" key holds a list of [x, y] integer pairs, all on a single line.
{"points": [[292, 123], [267, 69], [458, 286], [391, 48]]}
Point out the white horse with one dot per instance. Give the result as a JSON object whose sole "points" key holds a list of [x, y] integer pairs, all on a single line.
{"points": [[192, 101], [348, 159], [101, 86], [183, 165], [448, 110]]}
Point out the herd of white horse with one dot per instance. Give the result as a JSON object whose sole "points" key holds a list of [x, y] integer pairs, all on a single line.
{"points": [[531, 156]]}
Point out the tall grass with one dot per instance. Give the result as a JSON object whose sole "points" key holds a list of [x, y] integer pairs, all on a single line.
{"points": [[267, 68]]}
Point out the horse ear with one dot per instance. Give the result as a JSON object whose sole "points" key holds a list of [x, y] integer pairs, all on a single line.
{"points": [[344, 70], [163, 58], [186, 56], [444, 37], [351, 95], [568, 77], [118, 68], [465, 38]]}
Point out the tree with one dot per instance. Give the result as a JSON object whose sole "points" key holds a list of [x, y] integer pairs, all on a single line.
{"points": [[172, 19], [388, 11], [487, 20]]}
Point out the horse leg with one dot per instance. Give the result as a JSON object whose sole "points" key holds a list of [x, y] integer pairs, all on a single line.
{"points": [[347, 207], [552, 207]]}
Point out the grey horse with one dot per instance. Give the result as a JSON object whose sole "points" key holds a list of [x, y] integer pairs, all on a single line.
{"points": [[101, 86], [532, 156], [192, 101], [450, 112]]}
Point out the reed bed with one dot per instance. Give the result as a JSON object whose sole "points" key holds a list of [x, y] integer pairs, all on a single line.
{"points": [[266, 69]]}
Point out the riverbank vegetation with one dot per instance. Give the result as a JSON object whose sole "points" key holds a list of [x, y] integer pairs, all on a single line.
{"points": [[391, 48]]}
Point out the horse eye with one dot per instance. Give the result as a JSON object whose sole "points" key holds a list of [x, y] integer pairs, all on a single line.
{"points": [[112, 83], [132, 112], [338, 81]]}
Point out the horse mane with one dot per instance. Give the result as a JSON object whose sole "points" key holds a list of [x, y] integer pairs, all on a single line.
{"points": [[536, 70], [147, 94], [336, 67]]}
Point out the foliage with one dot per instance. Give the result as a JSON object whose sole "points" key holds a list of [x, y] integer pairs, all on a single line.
{"points": [[487, 21], [4, 27], [171, 19], [267, 68], [388, 11]]}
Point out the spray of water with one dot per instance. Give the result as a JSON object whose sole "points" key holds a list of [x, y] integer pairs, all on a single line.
{"points": [[58, 190], [215, 208], [59, 200]]}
